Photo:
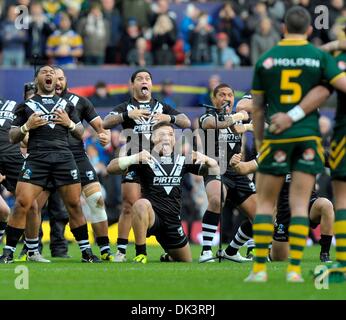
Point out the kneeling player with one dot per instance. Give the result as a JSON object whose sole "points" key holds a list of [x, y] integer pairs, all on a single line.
{"points": [[320, 212], [158, 211]]}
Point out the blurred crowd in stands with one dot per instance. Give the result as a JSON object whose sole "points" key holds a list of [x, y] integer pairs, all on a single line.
{"points": [[149, 32]]}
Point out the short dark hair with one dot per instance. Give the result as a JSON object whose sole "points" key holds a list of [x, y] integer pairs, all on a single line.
{"points": [[40, 67], [56, 67], [133, 76], [297, 20], [160, 125], [220, 86]]}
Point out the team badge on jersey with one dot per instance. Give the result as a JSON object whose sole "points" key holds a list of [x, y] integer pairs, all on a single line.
{"points": [[280, 156], [268, 63], [27, 174], [90, 175], [74, 174], [309, 154]]}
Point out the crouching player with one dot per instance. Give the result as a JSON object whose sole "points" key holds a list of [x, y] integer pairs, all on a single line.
{"points": [[160, 173], [321, 213]]}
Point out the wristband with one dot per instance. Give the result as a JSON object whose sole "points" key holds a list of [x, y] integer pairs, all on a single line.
{"points": [[24, 129], [296, 114], [125, 162], [72, 126], [173, 119], [125, 115]]}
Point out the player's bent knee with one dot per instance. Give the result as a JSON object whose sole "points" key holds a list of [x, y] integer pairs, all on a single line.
{"points": [[141, 206], [97, 208]]}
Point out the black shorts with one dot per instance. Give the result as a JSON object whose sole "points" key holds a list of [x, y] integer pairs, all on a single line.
{"points": [[283, 217], [86, 170], [10, 166], [57, 168], [239, 188], [169, 235], [130, 176]]}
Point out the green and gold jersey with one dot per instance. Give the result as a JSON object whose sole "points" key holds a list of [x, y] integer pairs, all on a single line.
{"points": [[340, 116], [285, 74]]}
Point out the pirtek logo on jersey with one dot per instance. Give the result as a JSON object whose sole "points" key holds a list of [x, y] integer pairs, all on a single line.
{"points": [[162, 178]]}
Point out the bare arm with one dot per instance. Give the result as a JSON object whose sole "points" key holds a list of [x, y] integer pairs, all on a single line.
{"points": [[17, 134], [78, 131], [104, 136], [281, 121], [209, 165], [334, 45], [210, 122], [182, 121], [258, 118], [113, 119], [119, 165]]}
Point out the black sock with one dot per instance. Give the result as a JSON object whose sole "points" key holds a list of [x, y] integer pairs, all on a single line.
{"points": [[325, 243], [122, 245], [244, 234], [81, 236], [32, 245], [210, 222], [2, 228], [141, 249], [12, 237], [103, 243]]}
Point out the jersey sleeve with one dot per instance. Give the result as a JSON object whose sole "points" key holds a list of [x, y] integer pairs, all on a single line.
{"points": [[120, 108], [330, 69], [72, 113], [89, 112], [204, 117], [20, 116], [167, 109], [192, 168], [257, 85]]}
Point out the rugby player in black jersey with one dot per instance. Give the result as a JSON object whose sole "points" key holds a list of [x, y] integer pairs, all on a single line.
{"points": [[321, 213], [160, 174], [138, 114], [11, 162], [91, 187], [47, 119], [240, 189]]}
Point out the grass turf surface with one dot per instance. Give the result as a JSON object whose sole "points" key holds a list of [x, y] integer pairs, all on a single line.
{"points": [[70, 279]]}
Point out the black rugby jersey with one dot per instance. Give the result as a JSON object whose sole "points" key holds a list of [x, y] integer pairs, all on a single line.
{"points": [[85, 111], [50, 137], [161, 184], [143, 127], [7, 108]]}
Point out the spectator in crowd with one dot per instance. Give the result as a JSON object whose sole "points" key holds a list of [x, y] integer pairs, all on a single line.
{"points": [[163, 40], [232, 24], [39, 30], [166, 94], [138, 9], [201, 40], [243, 52], [222, 54], [263, 40], [213, 82], [52, 9], [65, 45], [129, 38], [257, 13], [276, 9], [101, 97], [12, 40], [140, 56], [162, 7], [94, 29], [112, 15], [188, 23]]}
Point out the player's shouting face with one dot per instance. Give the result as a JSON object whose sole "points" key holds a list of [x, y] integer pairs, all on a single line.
{"points": [[142, 86], [60, 81], [223, 95], [46, 80], [164, 139]]}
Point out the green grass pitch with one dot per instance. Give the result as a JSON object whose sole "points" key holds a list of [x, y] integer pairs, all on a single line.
{"points": [[70, 279]]}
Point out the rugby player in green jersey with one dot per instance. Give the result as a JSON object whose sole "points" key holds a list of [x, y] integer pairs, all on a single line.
{"points": [[282, 77]]}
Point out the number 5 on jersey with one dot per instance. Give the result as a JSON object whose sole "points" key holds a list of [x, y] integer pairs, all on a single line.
{"points": [[288, 84]]}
